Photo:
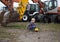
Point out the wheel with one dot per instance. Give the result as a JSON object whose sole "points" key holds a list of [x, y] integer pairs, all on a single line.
{"points": [[37, 17], [40, 18], [25, 18], [45, 19], [54, 18], [58, 19]]}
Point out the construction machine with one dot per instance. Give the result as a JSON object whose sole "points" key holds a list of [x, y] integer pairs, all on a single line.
{"points": [[31, 11], [11, 15], [9, 3], [21, 10], [49, 10], [25, 11]]}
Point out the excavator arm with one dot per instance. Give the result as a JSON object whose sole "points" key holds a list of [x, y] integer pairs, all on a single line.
{"points": [[39, 2], [9, 3], [13, 16], [41, 5], [22, 8]]}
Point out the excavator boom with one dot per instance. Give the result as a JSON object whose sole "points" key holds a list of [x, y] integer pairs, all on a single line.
{"points": [[9, 3], [20, 9], [40, 3]]}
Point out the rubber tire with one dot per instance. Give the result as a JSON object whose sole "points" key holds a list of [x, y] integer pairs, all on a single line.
{"points": [[53, 18], [40, 18], [25, 18], [45, 19]]}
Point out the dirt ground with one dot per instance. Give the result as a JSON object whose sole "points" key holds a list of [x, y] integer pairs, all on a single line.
{"points": [[17, 32]]}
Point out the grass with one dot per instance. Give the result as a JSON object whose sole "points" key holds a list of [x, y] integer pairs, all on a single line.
{"points": [[22, 25], [51, 26], [43, 26]]}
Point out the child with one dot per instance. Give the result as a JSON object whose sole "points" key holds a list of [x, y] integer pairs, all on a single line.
{"points": [[31, 25]]}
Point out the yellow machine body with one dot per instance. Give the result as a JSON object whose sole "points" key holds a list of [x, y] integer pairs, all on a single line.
{"points": [[22, 8]]}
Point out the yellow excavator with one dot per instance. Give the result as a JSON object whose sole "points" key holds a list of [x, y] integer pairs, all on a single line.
{"points": [[25, 11], [10, 14], [22, 8]]}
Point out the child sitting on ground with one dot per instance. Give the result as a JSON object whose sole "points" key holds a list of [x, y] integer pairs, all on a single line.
{"points": [[31, 25]]}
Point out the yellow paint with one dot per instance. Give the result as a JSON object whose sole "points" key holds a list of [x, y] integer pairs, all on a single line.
{"points": [[22, 8]]}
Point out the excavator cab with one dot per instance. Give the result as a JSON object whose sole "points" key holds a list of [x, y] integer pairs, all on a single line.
{"points": [[33, 8], [31, 11], [5, 8], [51, 11], [50, 6]]}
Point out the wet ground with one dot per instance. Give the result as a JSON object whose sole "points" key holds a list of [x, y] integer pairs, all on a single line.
{"points": [[17, 32]]}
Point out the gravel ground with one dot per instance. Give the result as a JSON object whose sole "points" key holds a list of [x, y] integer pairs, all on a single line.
{"points": [[47, 33]]}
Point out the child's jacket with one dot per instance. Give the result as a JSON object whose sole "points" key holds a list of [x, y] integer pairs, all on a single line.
{"points": [[31, 26]]}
